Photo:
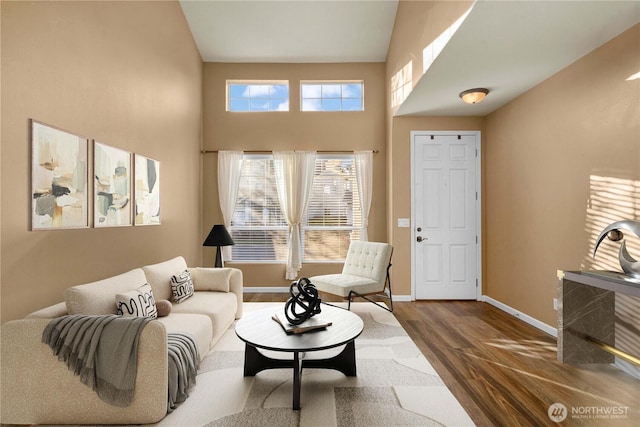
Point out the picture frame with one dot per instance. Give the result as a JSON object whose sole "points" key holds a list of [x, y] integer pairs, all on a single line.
{"points": [[59, 178], [147, 191], [112, 186]]}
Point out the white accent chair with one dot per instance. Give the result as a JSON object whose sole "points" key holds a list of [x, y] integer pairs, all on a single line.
{"points": [[365, 272]]}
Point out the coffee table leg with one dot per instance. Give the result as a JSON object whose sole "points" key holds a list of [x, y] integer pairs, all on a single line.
{"points": [[297, 367]]}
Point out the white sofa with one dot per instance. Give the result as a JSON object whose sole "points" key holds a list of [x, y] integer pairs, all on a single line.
{"points": [[37, 388]]}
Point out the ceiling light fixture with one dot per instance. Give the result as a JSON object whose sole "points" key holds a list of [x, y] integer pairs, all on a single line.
{"points": [[473, 96]]}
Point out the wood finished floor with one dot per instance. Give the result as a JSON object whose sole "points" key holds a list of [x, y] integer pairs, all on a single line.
{"points": [[503, 371]]}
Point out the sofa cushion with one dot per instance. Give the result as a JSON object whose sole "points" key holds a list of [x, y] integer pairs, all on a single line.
{"points": [[98, 298], [159, 276], [137, 303], [211, 279], [220, 307], [196, 325], [181, 287]]}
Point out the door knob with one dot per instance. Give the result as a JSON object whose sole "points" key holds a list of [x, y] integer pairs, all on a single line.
{"points": [[419, 239]]}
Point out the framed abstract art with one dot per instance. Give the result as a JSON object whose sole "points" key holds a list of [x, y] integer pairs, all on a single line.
{"points": [[112, 186], [147, 191], [59, 179]]}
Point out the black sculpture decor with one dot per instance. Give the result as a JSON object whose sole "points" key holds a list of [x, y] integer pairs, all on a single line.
{"points": [[304, 302]]}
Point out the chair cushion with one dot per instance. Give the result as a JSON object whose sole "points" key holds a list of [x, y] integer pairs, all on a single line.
{"points": [[368, 259], [341, 284]]}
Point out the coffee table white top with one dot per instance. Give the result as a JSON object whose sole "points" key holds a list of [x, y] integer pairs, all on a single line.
{"points": [[258, 329]]}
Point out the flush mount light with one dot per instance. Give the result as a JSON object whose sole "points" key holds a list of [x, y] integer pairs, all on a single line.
{"points": [[473, 96]]}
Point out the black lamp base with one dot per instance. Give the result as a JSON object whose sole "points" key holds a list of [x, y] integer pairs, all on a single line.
{"points": [[218, 263]]}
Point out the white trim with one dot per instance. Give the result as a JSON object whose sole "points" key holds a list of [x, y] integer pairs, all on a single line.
{"points": [[258, 290], [285, 290], [478, 136], [520, 315], [627, 368]]}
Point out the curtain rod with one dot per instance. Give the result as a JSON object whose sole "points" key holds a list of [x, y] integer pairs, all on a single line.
{"points": [[269, 152]]}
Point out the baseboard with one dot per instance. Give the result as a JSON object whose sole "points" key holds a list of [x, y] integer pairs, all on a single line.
{"points": [[259, 290], [628, 368], [285, 290], [520, 315]]}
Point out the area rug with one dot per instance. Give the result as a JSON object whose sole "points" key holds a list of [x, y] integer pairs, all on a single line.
{"points": [[395, 386]]}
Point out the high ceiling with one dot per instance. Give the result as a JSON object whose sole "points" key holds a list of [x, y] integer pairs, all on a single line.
{"points": [[291, 31], [505, 46]]}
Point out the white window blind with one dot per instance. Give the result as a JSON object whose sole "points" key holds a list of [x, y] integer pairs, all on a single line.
{"points": [[258, 227], [333, 218]]}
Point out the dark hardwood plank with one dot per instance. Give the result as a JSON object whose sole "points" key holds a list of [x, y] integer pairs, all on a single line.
{"points": [[503, 371]]}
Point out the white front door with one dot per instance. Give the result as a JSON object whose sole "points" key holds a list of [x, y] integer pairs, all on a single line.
{"points": [[445, 209]]}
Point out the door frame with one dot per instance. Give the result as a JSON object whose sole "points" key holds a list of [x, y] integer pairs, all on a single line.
{"points": [[478, 136]]}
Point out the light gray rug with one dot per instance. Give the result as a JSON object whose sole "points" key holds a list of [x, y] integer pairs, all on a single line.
{"points": [[395, 386]]}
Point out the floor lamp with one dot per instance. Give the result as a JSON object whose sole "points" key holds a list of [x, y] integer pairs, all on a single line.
{"points": [[219, 236]]}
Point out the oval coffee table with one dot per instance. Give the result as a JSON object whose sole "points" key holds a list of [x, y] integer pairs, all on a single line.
{"points": [[258, 330]]}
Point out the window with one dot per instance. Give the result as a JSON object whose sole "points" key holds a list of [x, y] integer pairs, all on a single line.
{"points": [[251, 96], [258, 227], [331, 96], [333, 219], [333, 216]]}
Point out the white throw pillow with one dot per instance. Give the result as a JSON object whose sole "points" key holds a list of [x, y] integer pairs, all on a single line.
{"points": [[137, 303], [181, 287]]}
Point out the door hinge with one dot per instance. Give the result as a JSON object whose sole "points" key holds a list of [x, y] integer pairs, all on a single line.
{"points": [[476, 283], [476, 152], [476, 195], [476, 240]]}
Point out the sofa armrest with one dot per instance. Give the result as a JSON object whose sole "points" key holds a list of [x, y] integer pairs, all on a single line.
{"points": [[220, 280], [50, 312], [37, 388], [236, 285]]}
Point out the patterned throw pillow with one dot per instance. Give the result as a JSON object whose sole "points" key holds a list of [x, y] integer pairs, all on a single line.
{"points": [[137, 303], [181, 287]]}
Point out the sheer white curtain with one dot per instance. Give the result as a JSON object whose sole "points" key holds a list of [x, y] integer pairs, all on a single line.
{"points": [[364, 178], [294, 181], [229, 169]]}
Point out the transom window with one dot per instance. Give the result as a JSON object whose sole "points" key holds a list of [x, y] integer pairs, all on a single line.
{"points": [[333, 218], [251, 96], [331, 96]]}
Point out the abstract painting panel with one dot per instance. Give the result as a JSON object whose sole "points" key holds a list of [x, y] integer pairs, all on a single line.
{"points": [[147, 190], [59, 179], [112, 174]]}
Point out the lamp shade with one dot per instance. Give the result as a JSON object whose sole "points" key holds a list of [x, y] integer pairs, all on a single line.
{"points": [[473, 96], [218, 236]]}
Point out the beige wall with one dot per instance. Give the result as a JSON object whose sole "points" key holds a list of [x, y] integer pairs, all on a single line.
{"points": [[417, 25], [127, 74], [294, 130], [559, 163], [562, 162]]}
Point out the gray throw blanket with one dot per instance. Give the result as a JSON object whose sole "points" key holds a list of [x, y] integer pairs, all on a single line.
{"points": [[184, 362], [102, 350]]}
